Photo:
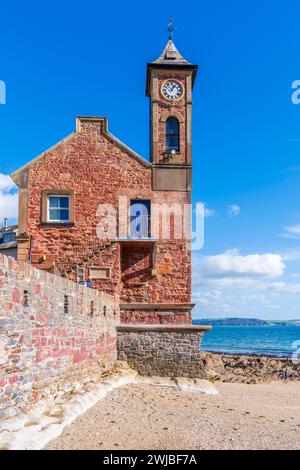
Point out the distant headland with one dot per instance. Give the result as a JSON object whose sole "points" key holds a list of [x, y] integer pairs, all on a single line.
{"points": [[236, 321]]}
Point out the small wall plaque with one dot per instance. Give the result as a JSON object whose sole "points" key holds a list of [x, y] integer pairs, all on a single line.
{"points": [[96, 272]]}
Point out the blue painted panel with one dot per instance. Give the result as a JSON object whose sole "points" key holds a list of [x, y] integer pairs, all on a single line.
{"points": [[140, 218]]}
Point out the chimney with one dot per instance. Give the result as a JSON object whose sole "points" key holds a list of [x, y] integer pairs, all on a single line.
{"points": [[5, 223]]}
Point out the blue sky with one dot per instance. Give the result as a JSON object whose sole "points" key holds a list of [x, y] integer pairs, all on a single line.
{"points": [[59, 59]]}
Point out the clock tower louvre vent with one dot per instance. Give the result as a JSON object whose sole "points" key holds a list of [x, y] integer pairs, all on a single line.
{"points": [[170, 55]]}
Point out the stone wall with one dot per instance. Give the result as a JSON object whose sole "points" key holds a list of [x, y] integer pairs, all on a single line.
{"points": [[162, 350], [53, 333], [98, 169], [156, 314], [174, 350]]}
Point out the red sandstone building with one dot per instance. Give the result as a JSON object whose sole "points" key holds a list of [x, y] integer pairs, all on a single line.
{"points": [[60, 193]]}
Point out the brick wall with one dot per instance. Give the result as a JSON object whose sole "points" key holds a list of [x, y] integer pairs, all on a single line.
{"points": [[178, 110], [166, 351], [152, 316], [99, 171], [52, 333]]}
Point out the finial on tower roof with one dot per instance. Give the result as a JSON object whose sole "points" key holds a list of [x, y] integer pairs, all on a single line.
{"points": [[171, 28], [170, 58], [170, 54]]}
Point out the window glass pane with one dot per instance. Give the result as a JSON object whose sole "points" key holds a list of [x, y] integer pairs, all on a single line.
{"points": [[64, 202], [172, 126], [59, 208], [172, 142], [140, 218], [172, 134], [64, 214], [54, 214], [53, 201]]}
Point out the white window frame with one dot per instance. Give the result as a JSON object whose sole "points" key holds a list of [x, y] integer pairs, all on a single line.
{"points": [[57, 221], [81, 270]]}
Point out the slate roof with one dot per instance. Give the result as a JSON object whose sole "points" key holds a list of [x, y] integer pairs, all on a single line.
{"points": [[171, 55], [170, 58]]}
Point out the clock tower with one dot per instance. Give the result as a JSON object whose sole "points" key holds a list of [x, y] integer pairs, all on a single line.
{"points": [[170, 81]]}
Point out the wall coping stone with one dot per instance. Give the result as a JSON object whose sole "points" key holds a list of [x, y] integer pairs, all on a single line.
{"points": [[164, 328], [156, 306]]}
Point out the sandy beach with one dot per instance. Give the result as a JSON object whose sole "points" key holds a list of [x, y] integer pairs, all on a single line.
{"points": [[258, 416]]}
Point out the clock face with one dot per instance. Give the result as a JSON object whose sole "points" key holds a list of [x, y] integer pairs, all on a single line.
{"points": [[172, 90]]}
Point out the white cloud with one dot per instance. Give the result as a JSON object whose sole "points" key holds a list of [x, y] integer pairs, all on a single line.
{"points": [[231, 284], [232, 264], [202, 209], [6, 183], [233, 209], [292, 231], [8, 198], [284, 288], [209, 212], [208, 298]]}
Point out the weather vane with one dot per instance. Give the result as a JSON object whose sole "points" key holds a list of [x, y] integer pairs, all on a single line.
{"points": [[171, 28]]}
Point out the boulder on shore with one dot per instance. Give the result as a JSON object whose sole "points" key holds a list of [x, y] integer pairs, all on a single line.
{"points": [[248, 369]]}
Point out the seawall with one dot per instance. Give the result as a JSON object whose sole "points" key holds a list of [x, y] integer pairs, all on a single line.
{"points": [[53, 333]]}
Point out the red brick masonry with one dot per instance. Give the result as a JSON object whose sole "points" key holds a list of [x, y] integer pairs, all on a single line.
{"points": [[156, 314], [98, 169]]}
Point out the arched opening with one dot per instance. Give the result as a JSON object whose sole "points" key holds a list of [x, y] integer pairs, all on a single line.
{"points": [[172, 134]]}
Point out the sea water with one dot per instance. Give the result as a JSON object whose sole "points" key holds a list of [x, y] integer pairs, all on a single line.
{"points": [[269, 340]]}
